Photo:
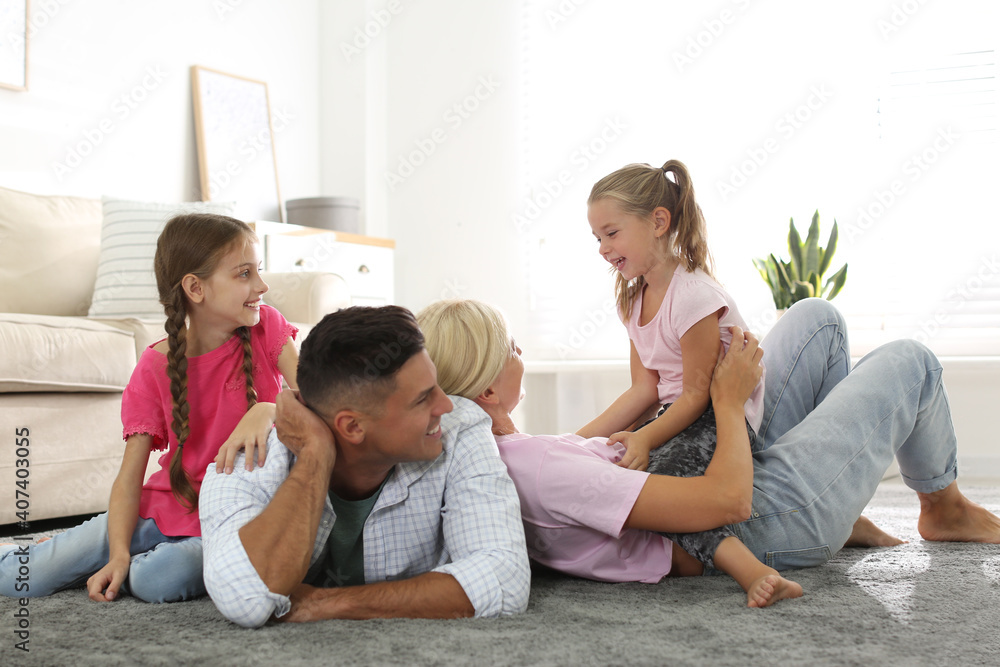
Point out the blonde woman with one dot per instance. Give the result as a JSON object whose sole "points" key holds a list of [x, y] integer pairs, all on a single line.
{"points": [[584, 515], [793, 504]]}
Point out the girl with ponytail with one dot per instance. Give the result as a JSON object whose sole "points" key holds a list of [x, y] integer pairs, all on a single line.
{"points": [[651, 230], [211, 382]]}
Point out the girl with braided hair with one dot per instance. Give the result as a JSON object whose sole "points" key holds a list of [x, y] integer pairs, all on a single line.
{"points": [[211, 382]]}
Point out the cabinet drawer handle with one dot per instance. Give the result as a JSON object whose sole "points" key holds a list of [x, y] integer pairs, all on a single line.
{"points": [[363, 269]]}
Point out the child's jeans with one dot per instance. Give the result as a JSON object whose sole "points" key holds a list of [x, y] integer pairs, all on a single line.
{"points": [[163, 569]]}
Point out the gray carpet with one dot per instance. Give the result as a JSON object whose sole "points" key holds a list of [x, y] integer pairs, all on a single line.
{"points": [[917, 604]]}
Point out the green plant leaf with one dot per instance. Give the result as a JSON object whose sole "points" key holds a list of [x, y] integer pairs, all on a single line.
{"points": [[767, 272], [815, 281], [801, 290], [831, 247], [837, 281], [802, 276], [810, 255], [784, 280], [795, 249]]}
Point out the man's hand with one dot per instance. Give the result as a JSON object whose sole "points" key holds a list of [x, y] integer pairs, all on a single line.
{"points": [[427, 595], [299, 427], [304, 608], [739, 370]]}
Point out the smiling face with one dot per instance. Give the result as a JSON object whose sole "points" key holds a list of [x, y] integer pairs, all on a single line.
{"points": [[628, 242], [408, 426], [233, 291]]}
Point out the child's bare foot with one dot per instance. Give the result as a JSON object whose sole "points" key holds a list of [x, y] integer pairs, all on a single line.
{"points": [[770, 588], [867, 534], [948, 516]]}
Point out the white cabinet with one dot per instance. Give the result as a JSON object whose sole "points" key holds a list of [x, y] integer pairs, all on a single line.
{"points": [[364, 262]]}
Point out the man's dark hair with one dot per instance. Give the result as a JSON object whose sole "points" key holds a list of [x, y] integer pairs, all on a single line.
{"points": [[350, 359]]}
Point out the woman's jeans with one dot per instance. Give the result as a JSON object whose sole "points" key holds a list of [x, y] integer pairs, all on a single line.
{"points": [[829, 434], [163, 569]]}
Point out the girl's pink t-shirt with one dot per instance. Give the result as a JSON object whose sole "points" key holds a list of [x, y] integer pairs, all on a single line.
{"points": [[574, 504], [690, 298], [217, 398]]}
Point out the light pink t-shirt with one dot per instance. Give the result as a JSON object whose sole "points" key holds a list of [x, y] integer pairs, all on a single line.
{"points": [[690, 298], [574, 503], [217, 397]]}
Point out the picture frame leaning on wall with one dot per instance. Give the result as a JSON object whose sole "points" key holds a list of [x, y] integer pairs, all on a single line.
{"points": [[235, 136]]}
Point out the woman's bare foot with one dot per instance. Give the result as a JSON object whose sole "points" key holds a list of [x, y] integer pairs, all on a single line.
{"points": [[867, 534], [770, 588], [948, 516]]}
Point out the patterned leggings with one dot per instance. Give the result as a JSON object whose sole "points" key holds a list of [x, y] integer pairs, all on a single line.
{"points": [[687, 454]]}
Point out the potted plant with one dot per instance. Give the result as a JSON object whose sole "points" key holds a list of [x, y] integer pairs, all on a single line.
{"points": [[802, 277]]}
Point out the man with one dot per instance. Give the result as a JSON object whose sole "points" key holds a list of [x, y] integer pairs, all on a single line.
{"points": [[378, 499]]}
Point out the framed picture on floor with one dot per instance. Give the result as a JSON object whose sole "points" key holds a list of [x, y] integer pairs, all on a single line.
{"points": [[236, 159]]}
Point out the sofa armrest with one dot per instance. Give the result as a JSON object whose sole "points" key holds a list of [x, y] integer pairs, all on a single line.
{"points": [[304, 297]]}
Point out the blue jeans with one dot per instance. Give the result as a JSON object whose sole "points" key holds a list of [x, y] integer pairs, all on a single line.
{"points": [[830, 432], [163, 569]]}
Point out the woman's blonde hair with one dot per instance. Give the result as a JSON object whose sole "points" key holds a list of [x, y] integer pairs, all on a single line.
{"points": [[469, 343], [638, 190], [193, 244]]}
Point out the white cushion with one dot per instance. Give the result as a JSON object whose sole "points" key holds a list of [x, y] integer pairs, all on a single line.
{"points": [[144, 332], [48, 253], [45, 353], [126, 286]]}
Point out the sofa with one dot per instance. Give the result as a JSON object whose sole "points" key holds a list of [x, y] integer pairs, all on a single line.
{"points": [[74, 318]]}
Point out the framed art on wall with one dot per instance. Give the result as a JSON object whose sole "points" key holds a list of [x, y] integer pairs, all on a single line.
{"points": [[236, 159], [14, 44]]}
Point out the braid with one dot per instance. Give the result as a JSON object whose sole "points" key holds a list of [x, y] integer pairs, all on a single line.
{"points": [[191, 244], [176, 328], [244, 333]]}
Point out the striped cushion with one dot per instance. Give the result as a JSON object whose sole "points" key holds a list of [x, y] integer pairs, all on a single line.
{"points": [[125, 284]]}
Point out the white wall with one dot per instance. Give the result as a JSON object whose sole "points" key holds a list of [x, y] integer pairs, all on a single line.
{"points": [[453, 152], [110, 100], [438, 178]]}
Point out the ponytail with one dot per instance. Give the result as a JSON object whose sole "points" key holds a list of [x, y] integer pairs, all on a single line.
{"points": [[639, 189], [690, 237]]}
